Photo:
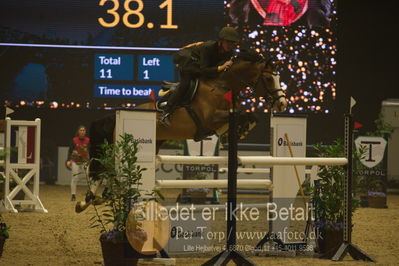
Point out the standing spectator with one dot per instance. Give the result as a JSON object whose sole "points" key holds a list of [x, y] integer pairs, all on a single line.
{"points": [[78, 154]]}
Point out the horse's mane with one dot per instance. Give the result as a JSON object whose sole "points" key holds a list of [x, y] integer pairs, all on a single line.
{"points": [[255, 57], [249, 55]]}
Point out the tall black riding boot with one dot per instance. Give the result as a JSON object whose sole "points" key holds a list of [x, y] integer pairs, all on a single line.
{"points": [[174, 99]]}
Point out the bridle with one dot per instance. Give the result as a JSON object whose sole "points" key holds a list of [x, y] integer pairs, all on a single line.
{"points": [[276, 77], [235, 58]]}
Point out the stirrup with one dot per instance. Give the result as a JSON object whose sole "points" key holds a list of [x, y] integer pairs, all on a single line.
{"points": [[162, 105], [164, 119]]}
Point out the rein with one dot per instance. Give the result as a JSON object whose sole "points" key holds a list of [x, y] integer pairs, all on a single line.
{"points": [[272, 93], [274, 73]]}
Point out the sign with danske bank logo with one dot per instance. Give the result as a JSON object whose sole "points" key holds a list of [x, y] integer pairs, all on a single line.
{"points": [[141, 130]]}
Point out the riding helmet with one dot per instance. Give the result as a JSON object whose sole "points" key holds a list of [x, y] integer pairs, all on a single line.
{"points": [[229, 34]]}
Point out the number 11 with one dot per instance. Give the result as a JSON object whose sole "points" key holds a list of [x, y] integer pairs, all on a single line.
{"points": [[108, 72]]}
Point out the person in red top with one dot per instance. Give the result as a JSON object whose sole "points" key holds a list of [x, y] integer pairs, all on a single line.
{"points": [[78, 155]]}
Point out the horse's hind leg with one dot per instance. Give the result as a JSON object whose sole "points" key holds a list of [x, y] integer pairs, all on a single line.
{"points": [[100, 130]]}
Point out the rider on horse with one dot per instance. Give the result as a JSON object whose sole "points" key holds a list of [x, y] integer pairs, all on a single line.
{"points": [[205, 59]]}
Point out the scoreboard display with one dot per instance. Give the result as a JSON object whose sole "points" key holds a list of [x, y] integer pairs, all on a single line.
{"points": [[96, 52], [111, 53], [110, 69]]}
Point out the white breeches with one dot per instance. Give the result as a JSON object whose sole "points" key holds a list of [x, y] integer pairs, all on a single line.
{"points": [[78, 171]]}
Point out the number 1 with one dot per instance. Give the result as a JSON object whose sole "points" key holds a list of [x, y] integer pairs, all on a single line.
{"points": [[146, 74], [169, 15]]}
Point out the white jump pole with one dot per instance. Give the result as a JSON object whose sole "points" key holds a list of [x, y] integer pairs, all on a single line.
{"points": [[176, 159], [251, 160], [218, 183], [268, 160], [257, 170]]}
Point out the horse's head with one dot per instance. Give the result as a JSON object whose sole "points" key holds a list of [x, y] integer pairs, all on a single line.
{"points": [[268, 86], [244, 72], [250, 69]]}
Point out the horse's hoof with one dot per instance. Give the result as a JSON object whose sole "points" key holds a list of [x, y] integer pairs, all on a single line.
{"points": [[251, 126], [81, 206], [244, 135]]}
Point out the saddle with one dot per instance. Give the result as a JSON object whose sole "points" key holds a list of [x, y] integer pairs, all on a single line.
{"points": [[167, 89]]}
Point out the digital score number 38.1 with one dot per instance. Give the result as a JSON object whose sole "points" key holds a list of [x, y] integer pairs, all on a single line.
{"points": [[133, 12]]}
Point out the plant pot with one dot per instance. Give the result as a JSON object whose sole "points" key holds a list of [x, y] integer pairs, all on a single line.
{"points": [[364, 201], [377, 202], [2, 242], [119, 252], [328, 239]]}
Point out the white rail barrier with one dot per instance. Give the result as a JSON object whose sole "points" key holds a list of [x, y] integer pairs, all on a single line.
{"points": [[241, 183], [2, 162], [219, 183], [223, 170], [250, 160]]}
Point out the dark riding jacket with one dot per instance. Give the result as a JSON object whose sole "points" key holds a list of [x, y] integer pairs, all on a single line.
{"points": [[201, 59]]}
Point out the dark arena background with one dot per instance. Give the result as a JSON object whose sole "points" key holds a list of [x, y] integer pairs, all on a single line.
{"points": [[60, 62], [51, 53]]}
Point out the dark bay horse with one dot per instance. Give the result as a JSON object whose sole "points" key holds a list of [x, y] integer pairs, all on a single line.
{"points": [[209, 104]]}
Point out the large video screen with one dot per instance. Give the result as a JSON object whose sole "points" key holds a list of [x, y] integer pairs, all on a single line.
{"points": [[111, 53]]}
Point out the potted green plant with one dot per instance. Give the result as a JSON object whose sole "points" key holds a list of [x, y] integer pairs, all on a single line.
{"points": [[371, 192], [122, 176], [361, 182], [328, 198]]}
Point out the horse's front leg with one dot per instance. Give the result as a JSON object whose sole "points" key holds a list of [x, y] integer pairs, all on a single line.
{"points": [[245, 122], [219, 121]]}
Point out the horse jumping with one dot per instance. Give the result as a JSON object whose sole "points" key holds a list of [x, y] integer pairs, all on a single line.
{"points": [[211, 109]]}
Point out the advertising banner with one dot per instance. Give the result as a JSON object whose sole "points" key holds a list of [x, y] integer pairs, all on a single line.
{"points": [[372, 172], [141, 124]]}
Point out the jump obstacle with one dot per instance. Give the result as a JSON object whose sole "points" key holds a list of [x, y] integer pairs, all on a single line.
{"points": [[251, 160], [27, 141], [244, 160], [232, 183]]}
